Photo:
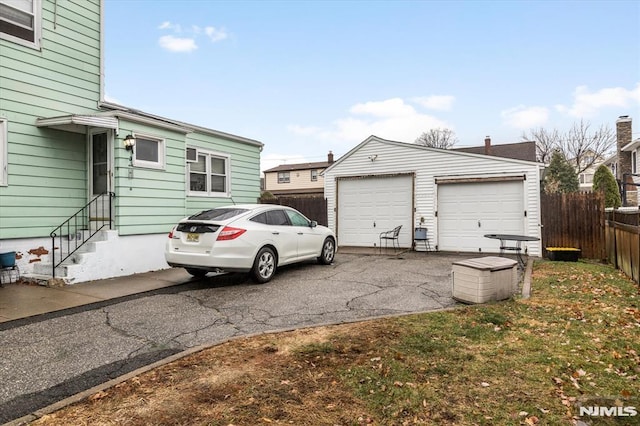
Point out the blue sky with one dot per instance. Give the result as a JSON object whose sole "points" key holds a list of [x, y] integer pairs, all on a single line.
{"points": [[306, 77]]}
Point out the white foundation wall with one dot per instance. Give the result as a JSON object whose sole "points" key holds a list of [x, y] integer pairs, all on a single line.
{"points": [[113, 256], [29, 251]]}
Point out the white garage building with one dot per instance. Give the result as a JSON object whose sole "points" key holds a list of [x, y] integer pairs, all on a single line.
{"points": [[458, 196]]}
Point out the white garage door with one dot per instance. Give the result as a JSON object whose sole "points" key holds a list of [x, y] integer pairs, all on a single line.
{"points": [[369, 206], [468, 211]]}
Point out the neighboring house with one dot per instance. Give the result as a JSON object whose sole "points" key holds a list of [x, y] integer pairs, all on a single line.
{"points": [[525, 151], [624, 164], [585, 178], [62, 146], [297, 179], [458, 196]]}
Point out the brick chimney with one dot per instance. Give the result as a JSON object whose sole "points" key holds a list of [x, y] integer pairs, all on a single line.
{"points": [[623, 134], [330, 157], [487, 145]]}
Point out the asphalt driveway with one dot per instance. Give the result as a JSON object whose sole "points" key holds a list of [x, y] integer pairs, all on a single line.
{"points": [[48, 360]]}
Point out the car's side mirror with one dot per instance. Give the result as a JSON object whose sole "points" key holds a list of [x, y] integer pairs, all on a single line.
{"points": [[313, 224]]}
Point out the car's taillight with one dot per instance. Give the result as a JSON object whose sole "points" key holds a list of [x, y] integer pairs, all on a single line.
{"points": [[230, 233], [172, 231]]}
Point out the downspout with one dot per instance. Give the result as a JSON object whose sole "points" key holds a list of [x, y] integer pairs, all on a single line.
{"points": [[101, 100]]}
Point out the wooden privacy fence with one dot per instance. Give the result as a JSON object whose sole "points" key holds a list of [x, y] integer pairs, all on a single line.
{"points": [[315, 208], [574, 220], [622, 233]]}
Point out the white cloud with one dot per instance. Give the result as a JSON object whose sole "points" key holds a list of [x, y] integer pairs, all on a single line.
{"points": [[394, 107], [166, 25], [587, 103], [437, 102], [522, 117], [177, 44], [188, 44], [390, 119], [110, 99], [215, 34]]}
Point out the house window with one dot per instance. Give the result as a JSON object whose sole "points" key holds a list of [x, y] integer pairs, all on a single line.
{"points": [[209, 175], [314, 175], [20, 21], [284, 177], [586, 178], [3, 153], [149, 152]]}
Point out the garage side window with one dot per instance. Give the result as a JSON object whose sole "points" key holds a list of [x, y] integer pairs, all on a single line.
{"points": [[209, 174], [4, 161], [20, 22]]}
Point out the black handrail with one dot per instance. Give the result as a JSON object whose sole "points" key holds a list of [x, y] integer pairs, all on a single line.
{"points": [[71, 231]]}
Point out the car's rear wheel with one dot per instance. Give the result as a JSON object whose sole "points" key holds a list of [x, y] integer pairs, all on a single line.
{"points": [[264, 266], [198, 273], [328, 251]]}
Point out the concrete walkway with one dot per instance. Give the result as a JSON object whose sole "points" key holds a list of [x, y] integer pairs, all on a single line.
{"points": [[19, 301]]}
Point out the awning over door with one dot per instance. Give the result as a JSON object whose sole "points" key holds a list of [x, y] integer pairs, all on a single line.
{"points": [[78, 123]]}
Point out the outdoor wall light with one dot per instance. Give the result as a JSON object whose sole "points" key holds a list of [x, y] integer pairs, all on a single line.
{"points": [[129, 141]]}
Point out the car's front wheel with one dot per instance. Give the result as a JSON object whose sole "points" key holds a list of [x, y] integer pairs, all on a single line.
{"points": [[198, 273], [328, 251], [264, 266]]}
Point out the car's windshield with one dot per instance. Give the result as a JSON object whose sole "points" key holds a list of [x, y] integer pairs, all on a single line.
{"points": [[218, 214]]}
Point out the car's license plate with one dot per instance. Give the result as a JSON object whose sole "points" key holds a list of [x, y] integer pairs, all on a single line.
{"points": [[193, 238]]}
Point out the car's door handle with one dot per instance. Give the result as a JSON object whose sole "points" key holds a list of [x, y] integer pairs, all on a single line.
{"points": [[275, 233], [300, 233]]}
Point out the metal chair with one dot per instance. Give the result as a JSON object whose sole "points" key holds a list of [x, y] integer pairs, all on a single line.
{"points": [[390, 235], [421, 236]]}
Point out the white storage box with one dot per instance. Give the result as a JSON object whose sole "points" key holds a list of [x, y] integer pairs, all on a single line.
{"points": [[484, 279]]}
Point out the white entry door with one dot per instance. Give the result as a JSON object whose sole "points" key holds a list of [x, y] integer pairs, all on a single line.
{"points": [[468, 211], [371, 205]]}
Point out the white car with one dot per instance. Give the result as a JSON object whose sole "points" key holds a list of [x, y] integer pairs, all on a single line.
{"points": [[255, 238]]}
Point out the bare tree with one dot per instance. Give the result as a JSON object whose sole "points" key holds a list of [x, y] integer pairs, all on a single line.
{"points": [[584, 148], [581, 146], [438, 138], [547, 141]]}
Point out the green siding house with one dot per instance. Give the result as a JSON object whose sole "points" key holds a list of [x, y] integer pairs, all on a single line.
{"points": [[66, 170]]}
